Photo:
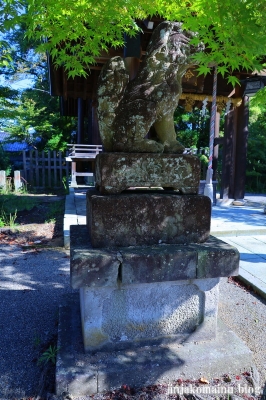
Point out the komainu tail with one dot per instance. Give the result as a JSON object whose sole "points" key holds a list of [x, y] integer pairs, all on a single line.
{"points": [[111, 86]]}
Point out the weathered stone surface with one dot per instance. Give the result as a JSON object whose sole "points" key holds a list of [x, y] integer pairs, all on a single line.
{"points": [[212, 262], [148, 294], [131, 219], [157, 264], [126, 316], [116, 172], [148, 264], [127, 109]]}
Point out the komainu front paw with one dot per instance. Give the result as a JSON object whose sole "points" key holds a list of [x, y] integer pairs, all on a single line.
{"points": [[174, 147]]}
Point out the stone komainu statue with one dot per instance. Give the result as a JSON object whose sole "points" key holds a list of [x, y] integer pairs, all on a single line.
{"points": [[128, 109]]}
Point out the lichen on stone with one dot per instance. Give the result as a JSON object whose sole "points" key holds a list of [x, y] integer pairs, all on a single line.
{"points": [[150, 99]]}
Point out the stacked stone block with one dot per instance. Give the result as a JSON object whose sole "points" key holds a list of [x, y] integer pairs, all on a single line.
{"points": [[146, 266]]}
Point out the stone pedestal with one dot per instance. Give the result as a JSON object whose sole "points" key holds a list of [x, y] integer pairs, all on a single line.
{"points": [[147, 269], [115, 267], [146, 295], [147, 218], [115, 172]]}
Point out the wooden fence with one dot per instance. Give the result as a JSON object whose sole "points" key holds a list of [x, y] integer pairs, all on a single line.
{"points": [[45, 169], [49, 169]]}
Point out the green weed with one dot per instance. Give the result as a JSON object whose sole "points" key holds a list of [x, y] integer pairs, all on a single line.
{"points": [[8, 219], [12, 203], [49, 355], [8, 188], [56, 209], [37, 340], [65, 184]]}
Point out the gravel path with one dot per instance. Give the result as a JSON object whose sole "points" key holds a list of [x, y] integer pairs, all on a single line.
{"points": [[34, 283], [245, 313]]}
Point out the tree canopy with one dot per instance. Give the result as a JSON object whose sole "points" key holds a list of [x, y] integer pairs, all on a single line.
{"points": [[33, 116], [74, 33], [30, 115]]}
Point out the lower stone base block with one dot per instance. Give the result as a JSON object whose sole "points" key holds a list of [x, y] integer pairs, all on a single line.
{"points": [[115, 318], [147, 264], [83, 374]]}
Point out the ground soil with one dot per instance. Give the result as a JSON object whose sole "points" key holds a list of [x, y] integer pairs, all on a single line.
{"points": [[34, 228]]}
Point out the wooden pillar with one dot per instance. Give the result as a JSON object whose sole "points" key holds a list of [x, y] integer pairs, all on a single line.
{"points": [[96, 138], [80, 133], [132, 66], [132, 54], [227, 182], [242, 114], [73, 174], [2, 179], [216, 146], [17, 181], [80, 140], [90, 122]]}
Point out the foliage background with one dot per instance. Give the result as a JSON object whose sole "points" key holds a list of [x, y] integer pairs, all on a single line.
{"points": [[74, 33], [256, 151], [30, 115]]}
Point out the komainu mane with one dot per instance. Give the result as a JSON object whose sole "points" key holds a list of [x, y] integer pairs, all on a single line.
{"points": [[128, 109]]}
